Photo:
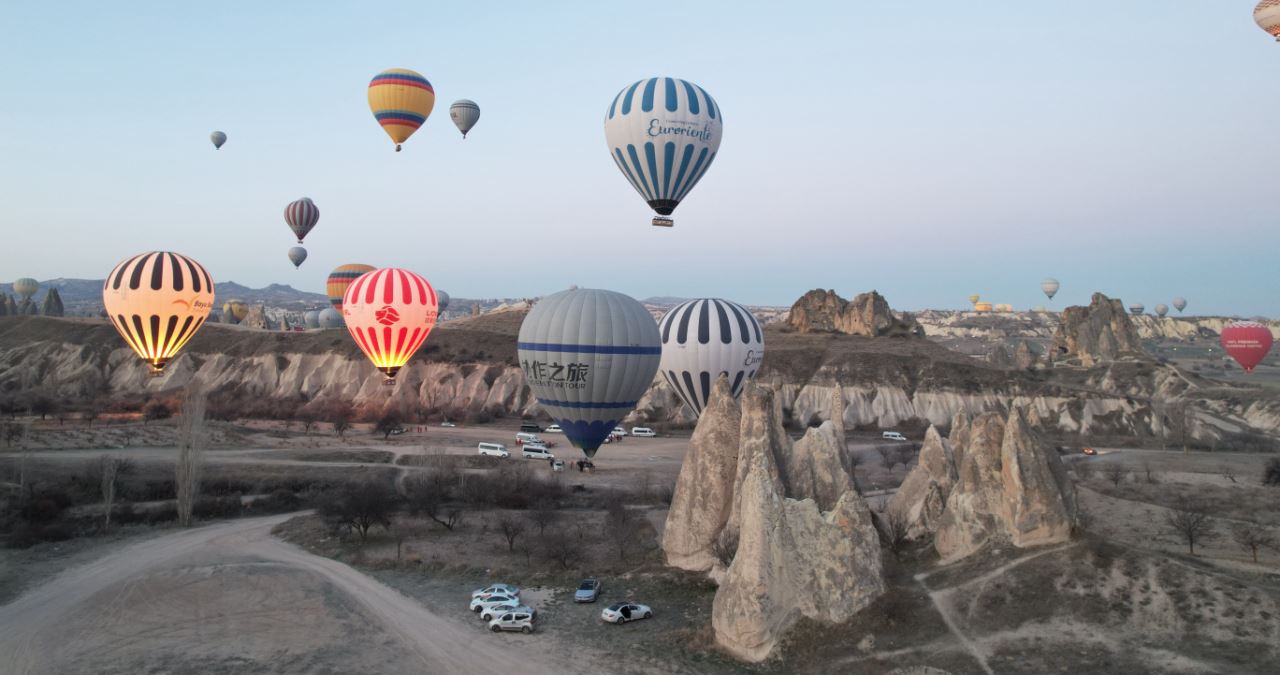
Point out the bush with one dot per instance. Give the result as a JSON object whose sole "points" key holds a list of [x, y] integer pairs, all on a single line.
{"points": [[1271, 474], [30, 534], [156, 409], [218, 507]]}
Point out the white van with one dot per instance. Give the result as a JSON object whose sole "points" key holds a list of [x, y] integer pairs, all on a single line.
{"points": [[525, 437], [644, 432], [893, 436], [493, 450], [536, 451], [553, 429]]}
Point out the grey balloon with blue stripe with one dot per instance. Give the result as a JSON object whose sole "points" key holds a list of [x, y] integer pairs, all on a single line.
{"points": [[663, 133], [705, 338], [588, 356]]}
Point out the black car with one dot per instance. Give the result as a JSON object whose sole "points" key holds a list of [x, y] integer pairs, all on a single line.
{"points": [[530, 428]]}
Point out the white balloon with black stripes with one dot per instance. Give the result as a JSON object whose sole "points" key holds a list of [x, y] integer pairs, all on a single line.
{"points": [[704, 338]]}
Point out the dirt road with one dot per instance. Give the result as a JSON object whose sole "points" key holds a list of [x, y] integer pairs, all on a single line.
{"points": [[233, 598]]}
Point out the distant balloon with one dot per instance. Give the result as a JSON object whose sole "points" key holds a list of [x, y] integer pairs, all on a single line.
{"points": [[701, 339], [401, 100], [1247, 342], [157, 301], [389, 313], [443, 299], [301, 216], [236, 309], [1050, 287], [26, 287], [1179, 304], [297, 255], [588, 355], [464, 114], [1137, 308], [663, 133], [973, 299], [218, 139], [311, 319], [340, 278], [1267, 14], [1161, 310], [330, 319]]}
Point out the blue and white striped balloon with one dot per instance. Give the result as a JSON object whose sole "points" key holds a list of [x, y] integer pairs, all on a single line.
{"points": [[704, 338], [588, 356], [663, 133]]}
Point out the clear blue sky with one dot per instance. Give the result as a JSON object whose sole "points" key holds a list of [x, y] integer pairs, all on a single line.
{"points": [[927, 150]]}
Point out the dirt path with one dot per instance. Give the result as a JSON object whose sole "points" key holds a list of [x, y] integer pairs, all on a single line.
{"points": [[110, 609]]}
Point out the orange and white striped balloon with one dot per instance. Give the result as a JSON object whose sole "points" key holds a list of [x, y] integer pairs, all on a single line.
{"points": [[389, 312], [157, 301]]}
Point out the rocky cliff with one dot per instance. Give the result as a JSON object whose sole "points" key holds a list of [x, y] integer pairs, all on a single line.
{"points": [[868, 315], [1096, 334]]}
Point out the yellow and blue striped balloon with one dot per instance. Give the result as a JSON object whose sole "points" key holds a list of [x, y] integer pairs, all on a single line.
{"points": [[401, 100]]}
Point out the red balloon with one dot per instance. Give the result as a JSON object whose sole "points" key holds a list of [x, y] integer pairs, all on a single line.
{"points": [[1247, 342], [389, 313]]}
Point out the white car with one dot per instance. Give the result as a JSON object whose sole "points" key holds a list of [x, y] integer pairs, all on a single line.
{"points": [[622, 612], [493, 450], [483, 602], [619, 431], [449, 425], [553, 429], [526, 437], [893, 436], [536, 451], [642, 432], [491, 613], [517, 620], [504, 589]]}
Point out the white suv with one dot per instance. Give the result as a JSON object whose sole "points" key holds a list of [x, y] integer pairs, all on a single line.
{"points": [[514, 620]]}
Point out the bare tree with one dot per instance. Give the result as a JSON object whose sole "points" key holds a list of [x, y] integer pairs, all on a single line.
{"points": [[560, 547], [129, 434], [1271, 472], [387, 424], [43, 406], [886, 455], [1227, 472], [1252, 536], [361, 506], [156, 409], [543, 515], [427, 499], [511, 527], [1190, 521], [893, 529], [1116, 473], [192, 438], [308, 421], [90, 414], [625, 529], [110, 468], [1182, 418]]}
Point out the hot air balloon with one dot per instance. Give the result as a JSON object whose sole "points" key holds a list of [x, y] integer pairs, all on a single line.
{"points": [[157, 301], [663, 133], [1137, 308], [311, 319], [1179, 304], [1247, 342], [237, 310], [464, 114], [401, 100], [218, 139], [701, 339], [1161, 310], [1267, 14], [26, 287], [330, 319], [588, 356], [389, 312], [340, 278], [443, 299], [297, 255], [1050, 287], [301, 216], [973, 299]]}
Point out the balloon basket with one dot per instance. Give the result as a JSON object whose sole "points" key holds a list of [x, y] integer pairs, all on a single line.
{"points": [[663, 221]]}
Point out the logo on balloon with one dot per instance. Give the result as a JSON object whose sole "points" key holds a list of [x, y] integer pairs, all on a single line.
{"points": [[694, 131], [387, 315], [752, 358]]}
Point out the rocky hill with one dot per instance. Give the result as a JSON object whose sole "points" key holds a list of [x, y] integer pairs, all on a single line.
{"points": [[1043, 325]]}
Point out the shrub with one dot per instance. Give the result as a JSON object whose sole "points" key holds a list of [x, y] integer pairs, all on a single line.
{"points": [[1271, 473]]}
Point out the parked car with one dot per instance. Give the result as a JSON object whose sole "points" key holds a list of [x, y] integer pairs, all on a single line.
{"points": [[554, 429], [536, 451], [619, 431], [449, 425], [484, 602], [643, 432], [893, 436], [587, 591], [491, 613], [557, 465], [397, 431], [525, 437], [493, 450], [521, 621], [530, 427], [622, 612], [1089, 451], [506, 589]]}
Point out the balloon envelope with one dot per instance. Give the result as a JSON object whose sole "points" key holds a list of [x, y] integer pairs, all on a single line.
{"points": [[330, 318], [401, 100], [1050, 287], [464, 114], [443, 299], [1247, 342], [1267, 14], [1162, 310], [588, 356], [340, 278], [157, 301], [973, 299], [26, 287], [1179, 304], [301, 216], [311, 319], [235, 309], [389, 312], [297, 255], [218, 139], [663, 133], [704, 338], [1137, 308]]}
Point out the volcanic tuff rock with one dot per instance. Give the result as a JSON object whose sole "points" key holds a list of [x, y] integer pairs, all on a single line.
{"points": [[798, 537], [1024, 357], [257, 318], [1011, 488], [923, 495], [1099, 333], [868, 315], [52, 303]]}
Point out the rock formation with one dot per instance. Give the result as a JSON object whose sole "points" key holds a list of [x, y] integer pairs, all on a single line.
{"points": [[1011, 488], [27, 308], [13, 309], [922, 497], [999, 357], [52, 303], [1024, 357], [257, 318], [4, 304], [1099, 333], [797, 538], [868, 315]]}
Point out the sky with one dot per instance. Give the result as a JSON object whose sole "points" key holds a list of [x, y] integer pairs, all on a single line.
{"points": [[928, 151]]}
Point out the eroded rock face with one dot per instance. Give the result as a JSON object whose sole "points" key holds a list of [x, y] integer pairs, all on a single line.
{"points": [[1099, 333], [923, 495], [1024, 358], [257, 318], [868, 315], [1039, 498], [52, 303]]}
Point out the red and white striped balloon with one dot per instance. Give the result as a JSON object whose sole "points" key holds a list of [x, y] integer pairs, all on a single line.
{"points": [[389, 313], [301, 216]]}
